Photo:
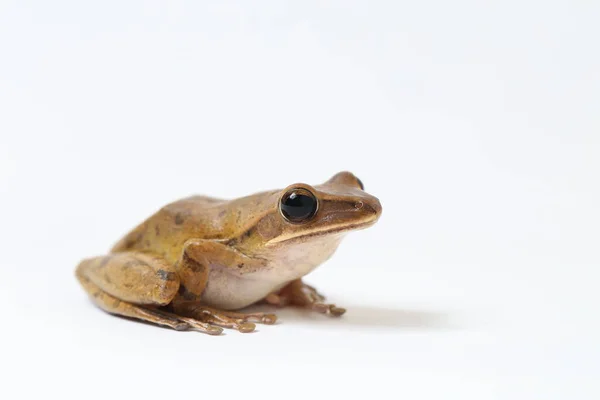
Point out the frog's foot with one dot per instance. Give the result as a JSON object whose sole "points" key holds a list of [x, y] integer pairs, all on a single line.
{"points": [[262, 318], [191, 323], [300, 294], [227, 319]]}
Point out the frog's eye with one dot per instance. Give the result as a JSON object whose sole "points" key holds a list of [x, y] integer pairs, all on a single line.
{"points": [[298, 205]]}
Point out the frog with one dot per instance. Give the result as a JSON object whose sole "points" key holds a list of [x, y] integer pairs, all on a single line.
{"points": [[196, 263]]}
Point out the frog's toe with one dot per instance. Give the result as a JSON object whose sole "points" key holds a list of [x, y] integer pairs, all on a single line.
{"points": [[201, 326], [268, 319], [232, 323], [337, 311], [181, 326], [214, 330], [330, 309], [246, 327], [261, 318]]}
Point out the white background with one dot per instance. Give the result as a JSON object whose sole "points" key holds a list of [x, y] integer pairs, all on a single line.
{"points": [[477, 125]]}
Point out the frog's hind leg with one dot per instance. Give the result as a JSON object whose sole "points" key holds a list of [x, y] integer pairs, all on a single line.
{"points": [[114, 305], [134, 285]]}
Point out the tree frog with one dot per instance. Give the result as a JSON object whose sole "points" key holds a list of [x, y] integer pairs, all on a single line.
{"points": [[196, 261]]}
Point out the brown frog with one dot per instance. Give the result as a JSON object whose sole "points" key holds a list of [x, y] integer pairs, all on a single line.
{"points": [[197, 259]]}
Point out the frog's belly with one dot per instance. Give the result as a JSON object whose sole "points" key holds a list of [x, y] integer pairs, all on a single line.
{"points": [[229, 291]]}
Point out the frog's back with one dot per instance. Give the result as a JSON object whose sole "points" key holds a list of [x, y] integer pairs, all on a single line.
{"points": [[165, 232]]}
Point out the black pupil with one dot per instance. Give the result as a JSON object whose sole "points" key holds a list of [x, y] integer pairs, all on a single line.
{"points": [[298, 206]]}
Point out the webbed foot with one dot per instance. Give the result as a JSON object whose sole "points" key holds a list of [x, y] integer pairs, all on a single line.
{"points": [[300, 294], [242, 322]]}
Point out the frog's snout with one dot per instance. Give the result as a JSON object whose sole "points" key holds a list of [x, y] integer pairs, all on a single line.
{"points": [[367, 208], [371, 207]]}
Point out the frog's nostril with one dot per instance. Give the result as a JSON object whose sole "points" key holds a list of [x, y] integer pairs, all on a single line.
{"points": [[372, 207], [358, 205]]}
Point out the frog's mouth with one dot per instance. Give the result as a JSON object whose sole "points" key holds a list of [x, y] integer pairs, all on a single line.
{"points": [[321, 231]]}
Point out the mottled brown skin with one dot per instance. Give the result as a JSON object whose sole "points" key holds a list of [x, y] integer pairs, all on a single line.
{"points": [[196, 259]]}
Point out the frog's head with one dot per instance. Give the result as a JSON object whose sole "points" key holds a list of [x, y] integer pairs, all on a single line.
{"points": [[302, 212]]}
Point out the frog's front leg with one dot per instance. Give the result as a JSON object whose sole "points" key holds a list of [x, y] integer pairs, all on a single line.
{"points": [[198, 257], [300, 294]]}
